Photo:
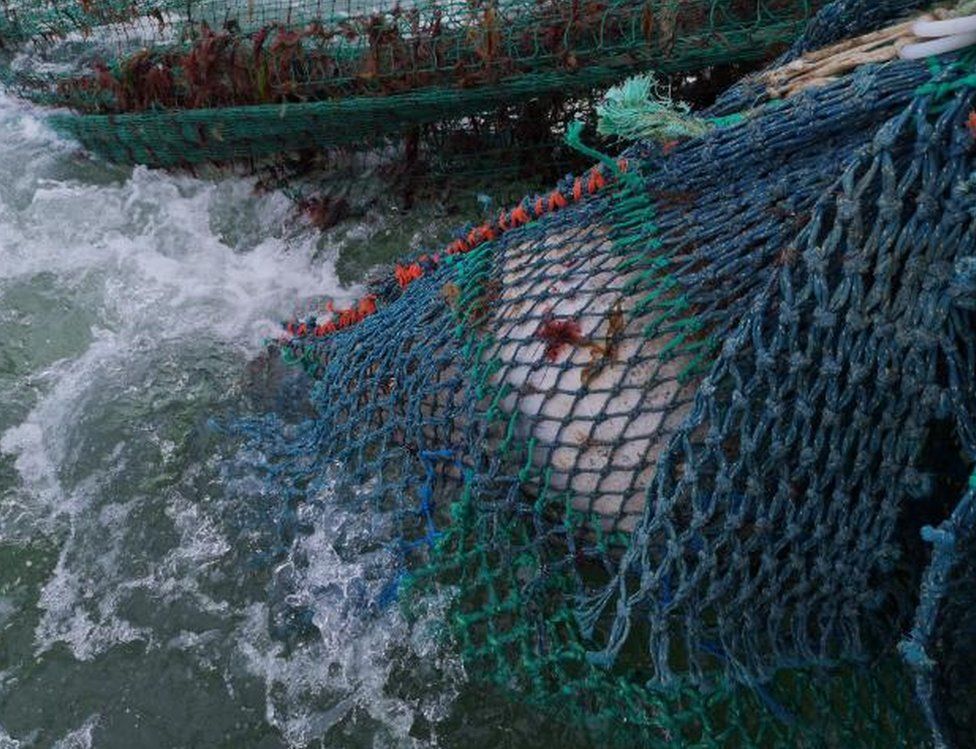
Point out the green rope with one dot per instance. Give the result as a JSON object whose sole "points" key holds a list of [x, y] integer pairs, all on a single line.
{"points": [[639, 108]]}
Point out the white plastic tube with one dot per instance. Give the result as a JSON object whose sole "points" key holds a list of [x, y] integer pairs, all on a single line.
{"points": [[937, 46], [949, 27]]}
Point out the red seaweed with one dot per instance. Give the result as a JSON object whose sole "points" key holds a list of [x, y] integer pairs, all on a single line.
{"points": [[558, 334]]}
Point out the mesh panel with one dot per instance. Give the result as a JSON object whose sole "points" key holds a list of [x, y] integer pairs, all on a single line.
{"points": [[672, 447], [176, 83]]}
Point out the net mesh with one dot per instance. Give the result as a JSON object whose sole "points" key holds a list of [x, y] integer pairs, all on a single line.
{"points": [[689, 443], [170, 83]]}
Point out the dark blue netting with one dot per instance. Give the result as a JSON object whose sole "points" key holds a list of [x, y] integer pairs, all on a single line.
{"points": [[689, 454]]}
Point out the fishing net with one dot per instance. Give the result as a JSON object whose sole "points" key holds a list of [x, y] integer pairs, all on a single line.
{"points": [[169, 83], [447, 173], [688, 439], [455, 169]]}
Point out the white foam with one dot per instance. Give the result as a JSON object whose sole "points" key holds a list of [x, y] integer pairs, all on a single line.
{"points": [[81, 737], [79, 602], [170, 270], [7, 741], [143, 255], [344, 674]]}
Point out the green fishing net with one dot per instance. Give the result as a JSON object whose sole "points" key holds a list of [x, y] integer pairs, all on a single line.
{"points": [[175, 83]]}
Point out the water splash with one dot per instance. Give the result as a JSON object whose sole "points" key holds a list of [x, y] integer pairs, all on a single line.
{"points": [[130, 304]]}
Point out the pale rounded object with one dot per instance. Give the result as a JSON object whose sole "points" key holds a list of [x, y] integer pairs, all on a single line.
{"points": [[937, 46], [945, 27], [598, 431]]}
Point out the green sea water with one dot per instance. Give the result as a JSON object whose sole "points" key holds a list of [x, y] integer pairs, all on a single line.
{"points": [[131, 612]]}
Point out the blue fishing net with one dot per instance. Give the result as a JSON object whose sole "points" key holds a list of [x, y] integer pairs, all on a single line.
{"points": [[690, 453]]}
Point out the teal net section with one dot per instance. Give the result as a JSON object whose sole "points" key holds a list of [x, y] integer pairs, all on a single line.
{"points": [[688, 438], [179, 83]]}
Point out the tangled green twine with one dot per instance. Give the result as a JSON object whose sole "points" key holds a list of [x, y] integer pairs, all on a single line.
{"points": [[640, 108]]}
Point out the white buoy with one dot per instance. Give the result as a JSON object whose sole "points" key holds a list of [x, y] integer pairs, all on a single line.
{"points": [[598, 422]]}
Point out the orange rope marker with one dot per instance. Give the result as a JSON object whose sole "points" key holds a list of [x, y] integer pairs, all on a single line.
{"points": [[506, 221]]}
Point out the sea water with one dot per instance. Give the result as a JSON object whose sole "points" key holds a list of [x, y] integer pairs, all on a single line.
{"points": [[132, 611]]}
